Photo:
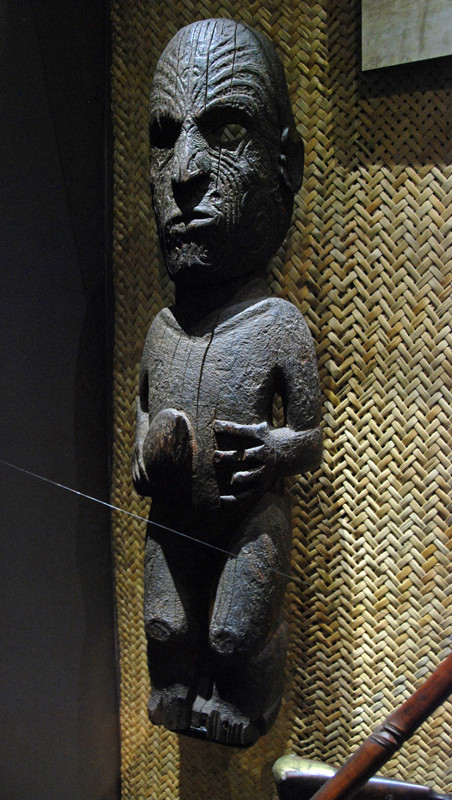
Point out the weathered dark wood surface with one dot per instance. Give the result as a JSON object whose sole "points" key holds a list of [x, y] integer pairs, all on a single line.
{"points": [[225, 162]]}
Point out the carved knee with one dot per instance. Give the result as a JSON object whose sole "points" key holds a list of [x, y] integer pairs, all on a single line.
{"points": [[162, 631], [227, 642]]}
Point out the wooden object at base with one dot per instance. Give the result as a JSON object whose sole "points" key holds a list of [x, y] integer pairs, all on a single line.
{"points": [[378, 748], [299, 778]]}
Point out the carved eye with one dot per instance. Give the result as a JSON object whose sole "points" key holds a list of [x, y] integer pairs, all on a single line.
{"points": [[164, 132], [224, 127], [230, 134]]}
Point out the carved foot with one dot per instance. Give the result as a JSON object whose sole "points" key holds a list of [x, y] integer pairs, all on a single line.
{"points": [[171, 708], [228, 729], [218, 721]]}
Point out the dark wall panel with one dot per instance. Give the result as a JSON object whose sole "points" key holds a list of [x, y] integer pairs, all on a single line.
{"points": [[59, 727]]}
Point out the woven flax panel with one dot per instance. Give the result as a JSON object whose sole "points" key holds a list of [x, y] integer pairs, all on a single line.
{"points": [[368, 263]]}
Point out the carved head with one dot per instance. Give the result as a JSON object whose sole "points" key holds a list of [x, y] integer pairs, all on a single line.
{"points": [[226, 158]]}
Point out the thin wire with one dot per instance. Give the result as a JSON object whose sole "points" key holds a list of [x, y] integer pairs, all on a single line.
{"points": [[135, 516]]}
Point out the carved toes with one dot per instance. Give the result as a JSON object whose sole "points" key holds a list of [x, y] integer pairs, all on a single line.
{"points": [[167, 707]]}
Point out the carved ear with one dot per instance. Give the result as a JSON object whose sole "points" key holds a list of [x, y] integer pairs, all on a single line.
{"points": [[291, 159]]}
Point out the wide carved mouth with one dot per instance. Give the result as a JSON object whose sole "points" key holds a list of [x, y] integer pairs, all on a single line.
{"points": [[198, 219]]}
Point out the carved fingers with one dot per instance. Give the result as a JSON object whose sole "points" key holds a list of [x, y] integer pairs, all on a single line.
{"points": [[239, 456], [254, 431], [255, 451], [139, 474], [246, 462], [250, 478], [281, 451]]}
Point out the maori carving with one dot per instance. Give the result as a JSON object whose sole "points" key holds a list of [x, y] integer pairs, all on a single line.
{"points": [[226, 160]]}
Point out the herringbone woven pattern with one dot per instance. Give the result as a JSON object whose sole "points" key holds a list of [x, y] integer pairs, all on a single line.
{"points": [[367, 263]]}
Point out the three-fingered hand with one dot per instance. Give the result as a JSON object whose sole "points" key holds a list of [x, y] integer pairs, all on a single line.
{"points": [[251, 467]]}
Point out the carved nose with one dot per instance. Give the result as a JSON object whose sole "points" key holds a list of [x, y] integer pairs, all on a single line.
{"points": [[189, 193], [190, 165], [191, 173]]}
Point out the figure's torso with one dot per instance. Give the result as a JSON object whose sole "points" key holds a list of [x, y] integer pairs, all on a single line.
{"points": [[225, 372]]}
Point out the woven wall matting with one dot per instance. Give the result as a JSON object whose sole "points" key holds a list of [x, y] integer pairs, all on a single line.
{"points": [[367, 263]]}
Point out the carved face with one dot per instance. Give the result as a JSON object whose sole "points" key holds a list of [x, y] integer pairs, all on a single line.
{"points": [[215, 151]]}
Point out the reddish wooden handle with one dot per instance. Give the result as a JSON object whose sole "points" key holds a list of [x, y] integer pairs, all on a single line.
{"points": [[388, 737]]}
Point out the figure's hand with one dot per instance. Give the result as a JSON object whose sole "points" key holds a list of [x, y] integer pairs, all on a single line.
{"points": [[167, 447], [139, 475], [259, 454], [251, 462], [162, 454]]}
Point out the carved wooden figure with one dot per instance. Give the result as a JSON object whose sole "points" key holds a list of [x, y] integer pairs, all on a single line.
{"points": [[226, 160]]}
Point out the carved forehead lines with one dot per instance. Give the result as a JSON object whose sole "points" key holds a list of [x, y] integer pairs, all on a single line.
{"points": [[209, 61]]}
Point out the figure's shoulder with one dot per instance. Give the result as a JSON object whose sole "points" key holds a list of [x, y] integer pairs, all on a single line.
{"points": [[281, 313], [272, 313], [289, 330], [164, 319], [160, 329], [282, 308]]}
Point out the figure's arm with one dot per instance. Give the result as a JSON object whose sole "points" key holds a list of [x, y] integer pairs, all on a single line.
{"points": [[280, 451], [139, 473], [301, 445], [268, 452], [275, 453], [163, 445]]}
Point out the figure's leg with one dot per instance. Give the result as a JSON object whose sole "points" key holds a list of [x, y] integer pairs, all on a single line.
{"points": [[248, 635], [174, 611]]}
